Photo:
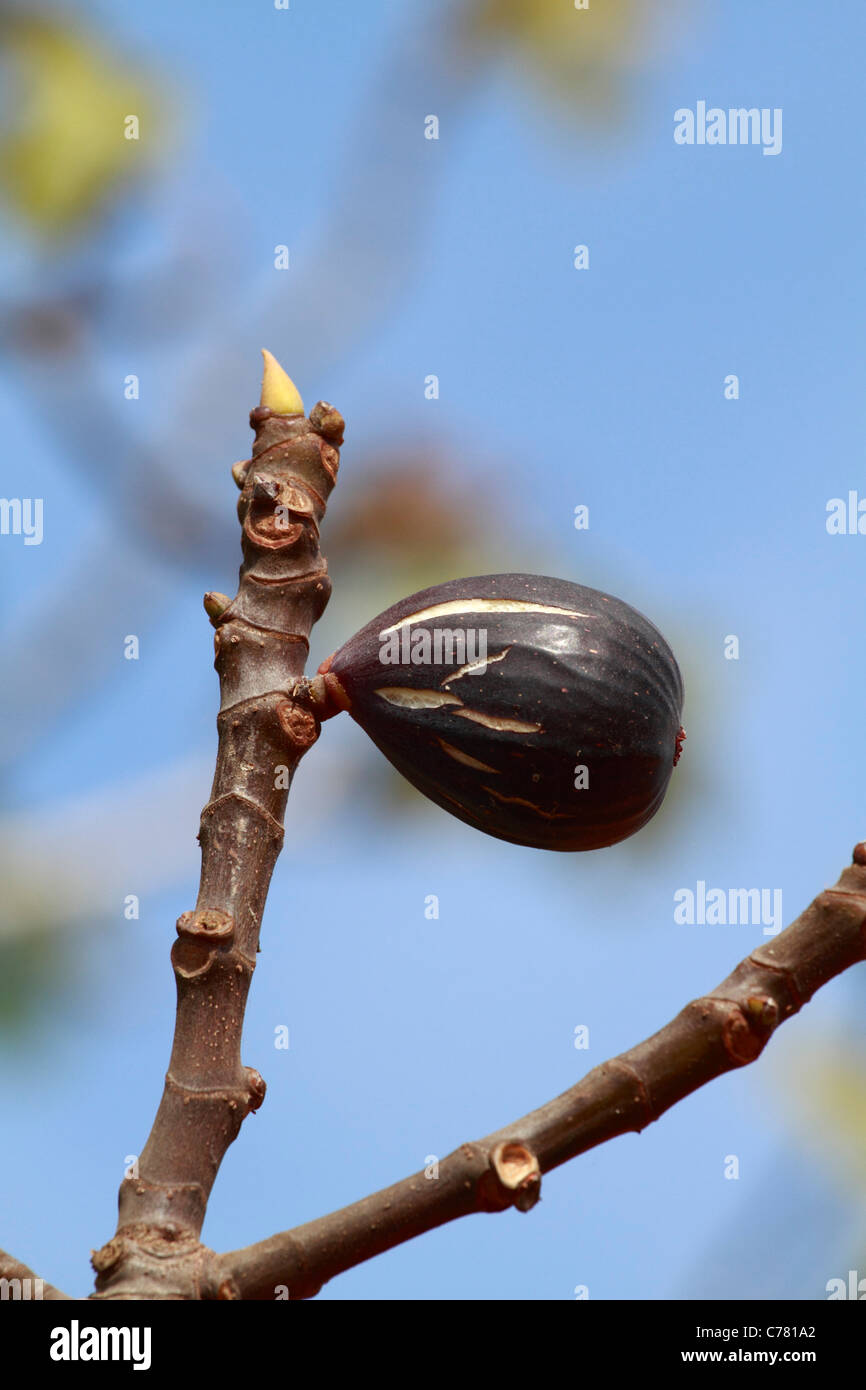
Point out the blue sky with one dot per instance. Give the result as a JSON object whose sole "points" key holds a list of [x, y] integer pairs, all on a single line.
{"points": [[602, 387]]}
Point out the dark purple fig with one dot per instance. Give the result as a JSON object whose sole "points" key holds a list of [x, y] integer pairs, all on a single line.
{"points": [[539, 711]]}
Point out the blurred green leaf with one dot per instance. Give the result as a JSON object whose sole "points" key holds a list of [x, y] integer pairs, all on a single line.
{"points": [[65, 152]]}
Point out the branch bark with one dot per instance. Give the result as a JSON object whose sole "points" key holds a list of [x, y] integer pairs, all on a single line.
{"points": [[261, 645], [725, 1029]]}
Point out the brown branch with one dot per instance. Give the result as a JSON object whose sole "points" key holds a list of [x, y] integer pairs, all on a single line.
{"points": [[26, 1284], [725, 1029], [261, 645]]}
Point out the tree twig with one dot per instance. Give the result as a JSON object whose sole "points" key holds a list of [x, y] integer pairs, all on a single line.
{"points": [[725, 1029], [261, 646]]}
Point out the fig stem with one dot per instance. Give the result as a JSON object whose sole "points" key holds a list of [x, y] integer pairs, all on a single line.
{"points": [[323, 695]]}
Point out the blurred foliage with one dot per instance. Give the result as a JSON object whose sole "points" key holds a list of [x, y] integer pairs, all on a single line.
{"points": [[412, 518], [575, 55], [34, 959], [831, 1096], [64, 156]]}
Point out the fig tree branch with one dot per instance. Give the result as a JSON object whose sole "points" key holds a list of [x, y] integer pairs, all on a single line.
{"points": [[269, 716], [725, 1029], [261, 644]]}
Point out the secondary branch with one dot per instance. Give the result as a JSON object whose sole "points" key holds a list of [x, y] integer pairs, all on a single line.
{"points": [[725, 1029]]}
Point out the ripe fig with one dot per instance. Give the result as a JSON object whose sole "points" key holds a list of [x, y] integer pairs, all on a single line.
{"points": [[539, 711]]}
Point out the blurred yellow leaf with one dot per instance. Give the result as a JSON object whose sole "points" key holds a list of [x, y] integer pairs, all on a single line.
{"points": [[65, 150], [831, 1090], [547, 25], [578, 53]]}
